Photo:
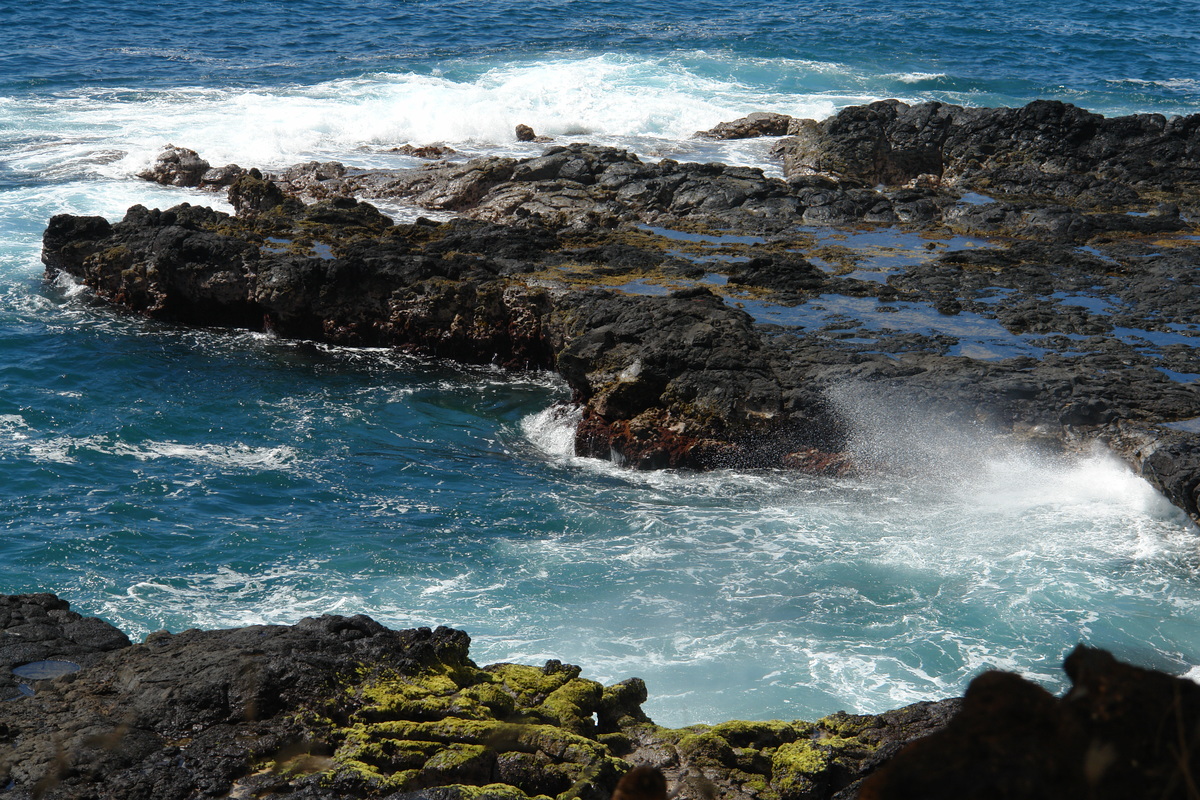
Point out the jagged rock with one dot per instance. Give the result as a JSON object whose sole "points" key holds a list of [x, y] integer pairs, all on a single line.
{"points": [[40, 627], [516, 283], [251, 194], [684, 381], [759, 123], [343, 707], [1046, 149], [312, 179], [177, 166]]}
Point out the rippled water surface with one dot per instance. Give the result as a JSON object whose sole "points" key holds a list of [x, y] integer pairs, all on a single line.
{"points": [[171, 478]]}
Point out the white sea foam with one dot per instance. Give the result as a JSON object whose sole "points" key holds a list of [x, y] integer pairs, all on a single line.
{"points": [[552, 430], [917, 77], [649, 104], [229, 598], [67, 450]]}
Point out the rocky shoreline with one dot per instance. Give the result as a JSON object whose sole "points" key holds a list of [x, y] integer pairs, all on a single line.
{"points": [[1030, 273], [342, 707]]}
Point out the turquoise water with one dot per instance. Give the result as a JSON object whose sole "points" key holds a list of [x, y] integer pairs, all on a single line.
{"points": [[162, 477]]}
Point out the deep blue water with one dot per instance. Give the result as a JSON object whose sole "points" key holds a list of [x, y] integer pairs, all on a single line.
{"points": [[171, 478]]}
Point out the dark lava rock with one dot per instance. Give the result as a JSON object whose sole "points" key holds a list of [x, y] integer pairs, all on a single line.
{"points": [[1120, 732], [336, 707], [525, 133], [524, 277], [177, 166], [683, 381], [759, 123], [1047, 149], [221, 177], [431, 151], [41, 627]]}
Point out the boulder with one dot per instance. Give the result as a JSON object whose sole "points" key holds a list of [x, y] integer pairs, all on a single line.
{"points": [[525, 133], [758, 123], [177, 166]]}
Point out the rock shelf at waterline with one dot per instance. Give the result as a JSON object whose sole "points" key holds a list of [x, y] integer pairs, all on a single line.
{"points": [[337, 707], [1031, 272]]}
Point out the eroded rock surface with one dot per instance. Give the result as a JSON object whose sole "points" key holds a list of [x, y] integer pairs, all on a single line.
{"points": [[337, 707]]}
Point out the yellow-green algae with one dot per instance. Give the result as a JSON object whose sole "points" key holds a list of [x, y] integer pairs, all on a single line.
{"points": [[451, 725]]}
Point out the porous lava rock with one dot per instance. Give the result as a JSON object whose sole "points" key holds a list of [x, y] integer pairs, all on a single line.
{"points": [[336, 707], [177, 166], [1047, 149]]}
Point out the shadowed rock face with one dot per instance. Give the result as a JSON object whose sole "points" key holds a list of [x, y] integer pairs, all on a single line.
{"points": [[1119, 732], [681, 381]]}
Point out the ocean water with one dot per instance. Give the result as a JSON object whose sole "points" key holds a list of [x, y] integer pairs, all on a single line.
{"points": [[170, 478]]}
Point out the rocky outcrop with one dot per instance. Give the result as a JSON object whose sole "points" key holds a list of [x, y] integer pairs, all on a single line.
{"points": [[1047, 150], [430, 151], [759, 123], [336, 707], [681, 381], [1119, 732], [179, 166], [1086, 305], [525, 133], [686, 381]]}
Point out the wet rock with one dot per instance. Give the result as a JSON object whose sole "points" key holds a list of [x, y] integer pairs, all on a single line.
{"points": [[1091, 305], [220, 177], [252, 194], [525, 133], [177, 166], [431, 151], [759, 123], [41, 627], [344, 707], [312, 179], [682, 381]]}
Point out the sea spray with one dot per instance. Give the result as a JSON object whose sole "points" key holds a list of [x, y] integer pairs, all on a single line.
{"points": [[166, 478]]}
